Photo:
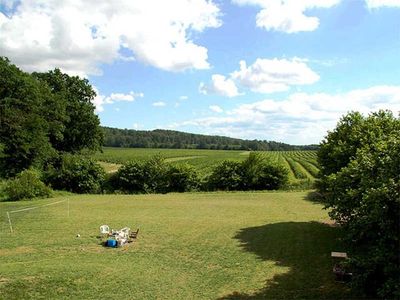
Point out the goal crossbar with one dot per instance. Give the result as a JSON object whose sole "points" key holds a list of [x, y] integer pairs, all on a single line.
{"points": [[31, 208]]}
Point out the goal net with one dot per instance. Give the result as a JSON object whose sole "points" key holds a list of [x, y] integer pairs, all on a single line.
{"points": [[36, 218]]}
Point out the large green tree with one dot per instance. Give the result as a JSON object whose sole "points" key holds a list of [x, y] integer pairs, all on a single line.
{"points": [[360, 166], [42, 115], [23, 126], [74, 95]]}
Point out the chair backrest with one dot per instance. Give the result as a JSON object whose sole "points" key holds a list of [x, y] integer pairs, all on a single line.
{"points": [[104, 229]]}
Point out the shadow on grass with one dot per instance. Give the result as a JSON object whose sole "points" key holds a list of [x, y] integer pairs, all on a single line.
{"points": [[315, 197], [305, 248]]}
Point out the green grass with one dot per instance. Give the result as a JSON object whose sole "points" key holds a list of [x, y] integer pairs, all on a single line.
{"points": [[265, 245]]}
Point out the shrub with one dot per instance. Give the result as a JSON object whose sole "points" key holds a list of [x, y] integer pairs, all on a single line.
{"points": [[181, 178], [26, 185], [77, 174], [257, 172], [144, 177], [261, 173], [226, 176]]}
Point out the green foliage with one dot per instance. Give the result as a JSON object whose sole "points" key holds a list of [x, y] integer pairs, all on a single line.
{"points": [[81, 127], [363, 192], [23, 125], [77, 174], [226, 176], [182, 178], [158, 138], [204, 161], [26, 185], [256, 172], [155, 176], [42, 115], [261, 173]]}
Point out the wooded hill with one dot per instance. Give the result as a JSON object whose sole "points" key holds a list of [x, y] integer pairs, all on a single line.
{"points": [[129, 138]]}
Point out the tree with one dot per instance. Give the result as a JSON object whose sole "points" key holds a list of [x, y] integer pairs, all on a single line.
{"points": [[362, 189], [81, 126], [43, 115], [24, 128]]}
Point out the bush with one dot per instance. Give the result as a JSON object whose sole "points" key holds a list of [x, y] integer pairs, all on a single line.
{"points": [[260, 173], [26, 185], [181, 178], [257, 172], [143, 177], [76, 174], [226, 176]]}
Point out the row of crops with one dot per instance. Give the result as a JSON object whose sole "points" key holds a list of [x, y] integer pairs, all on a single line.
{"points": [[302, 165]]}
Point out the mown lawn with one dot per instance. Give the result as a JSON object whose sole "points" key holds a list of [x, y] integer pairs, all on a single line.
{"points": [[265, 245]]}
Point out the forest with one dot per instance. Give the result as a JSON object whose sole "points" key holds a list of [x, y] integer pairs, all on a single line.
{"points": [[159, 138]]}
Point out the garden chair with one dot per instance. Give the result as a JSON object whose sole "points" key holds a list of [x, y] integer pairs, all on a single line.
{"points": [[104, 229]]}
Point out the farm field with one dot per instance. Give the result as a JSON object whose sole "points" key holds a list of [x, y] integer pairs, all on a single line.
{"points": [[264, 245], [302, 165]]}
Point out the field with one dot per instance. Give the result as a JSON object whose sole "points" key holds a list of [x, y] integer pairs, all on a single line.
{"points": [[302, 165], [190, 246]]}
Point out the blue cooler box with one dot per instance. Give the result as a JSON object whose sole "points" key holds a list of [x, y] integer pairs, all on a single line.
{"points": [[112, 243]]}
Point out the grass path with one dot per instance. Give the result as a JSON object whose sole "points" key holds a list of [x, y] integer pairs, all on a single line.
{"points": [[265, 245]]}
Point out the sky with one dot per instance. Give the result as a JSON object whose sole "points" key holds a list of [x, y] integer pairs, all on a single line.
{"points": [[282, 70]]}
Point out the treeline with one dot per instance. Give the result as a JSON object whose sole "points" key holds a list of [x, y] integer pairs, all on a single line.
{"points": [[128, 138]]}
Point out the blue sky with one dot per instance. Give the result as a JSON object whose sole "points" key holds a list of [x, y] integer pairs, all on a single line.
{"points": [[279, 70]]}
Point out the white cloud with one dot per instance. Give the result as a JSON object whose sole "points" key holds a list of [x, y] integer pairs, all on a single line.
{"points": [[301, 118], [159, 104], [219, 85], [183, 98], [78, 36], [287, 15], [274, 75], [100, 100], [382, 3], [216, 108]]}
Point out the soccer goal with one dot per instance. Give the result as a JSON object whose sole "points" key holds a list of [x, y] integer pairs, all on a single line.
{"points": [[34, 216]]}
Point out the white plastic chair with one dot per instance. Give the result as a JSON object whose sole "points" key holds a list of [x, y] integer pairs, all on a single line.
{"points": [[104, 229]]}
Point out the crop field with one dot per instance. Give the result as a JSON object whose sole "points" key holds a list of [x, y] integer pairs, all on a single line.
{"points": [[302, 165], [265, 245]]}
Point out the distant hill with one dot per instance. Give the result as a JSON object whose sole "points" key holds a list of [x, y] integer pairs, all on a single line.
{"points": [[129, 138]]}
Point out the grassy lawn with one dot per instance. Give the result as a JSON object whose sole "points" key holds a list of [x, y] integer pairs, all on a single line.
{"points": [[190, 246]]}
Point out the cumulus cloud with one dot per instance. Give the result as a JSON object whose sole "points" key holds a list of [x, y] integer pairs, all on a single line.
{"points": [[219, 85], [287, 15], [183, 98], [274, 75], [159, 104], [78, 36], [100, 100], [382, 3], [301, 118], [216, 108]]}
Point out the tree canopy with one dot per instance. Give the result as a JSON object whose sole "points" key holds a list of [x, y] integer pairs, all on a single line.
{"points": [[42, 115], [360, 180]]}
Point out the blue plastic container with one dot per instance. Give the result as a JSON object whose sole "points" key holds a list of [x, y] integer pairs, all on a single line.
{"points": [[112, 243]]}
